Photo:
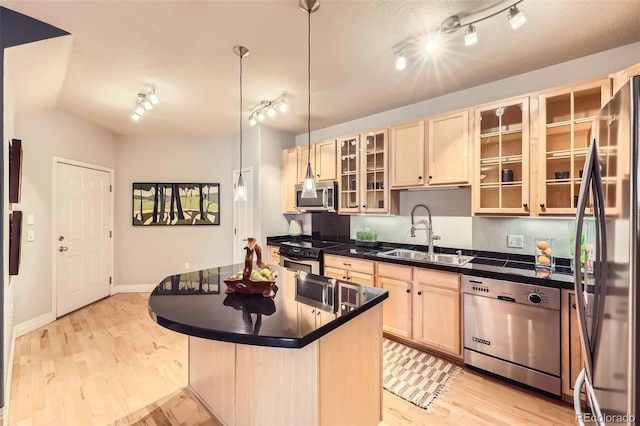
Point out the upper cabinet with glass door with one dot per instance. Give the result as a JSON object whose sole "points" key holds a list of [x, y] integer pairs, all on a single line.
{"points": [[501, 175], [374, 191], [566, 116], [348, 171]]}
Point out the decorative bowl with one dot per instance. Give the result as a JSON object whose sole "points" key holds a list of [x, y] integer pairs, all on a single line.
{"points": [[246, 285]]}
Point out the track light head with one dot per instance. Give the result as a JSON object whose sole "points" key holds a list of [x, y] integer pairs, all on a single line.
{"points": [[252, 120], [283, 106], [431, 46], [271, 112], [470, 36], [516, 17]]}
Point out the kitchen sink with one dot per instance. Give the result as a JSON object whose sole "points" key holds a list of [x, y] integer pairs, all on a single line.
{"points": [[420, 256]]}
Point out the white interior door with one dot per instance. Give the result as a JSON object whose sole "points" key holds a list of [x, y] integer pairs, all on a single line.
{"points": [[82, 236], [242, 215]]}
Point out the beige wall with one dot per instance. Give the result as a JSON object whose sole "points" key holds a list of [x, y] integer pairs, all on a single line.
{"points": [[146, 255], [45, 135]]}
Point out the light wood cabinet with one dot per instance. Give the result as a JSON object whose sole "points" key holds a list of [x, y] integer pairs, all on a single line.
{"points": [[565, 118], [322, 159], [571, 362], [273, 255], [310, 318], [448, 144], [502, 148], [620, 78], [289, 179], [350, 269], [363, 168], [437, 311], [407, 155], [396, 310]]}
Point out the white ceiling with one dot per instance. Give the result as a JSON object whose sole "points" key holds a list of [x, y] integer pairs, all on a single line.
{"points": [[184, 48]]}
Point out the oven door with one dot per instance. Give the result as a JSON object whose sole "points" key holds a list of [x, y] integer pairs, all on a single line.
{"points": [[310, 266]]}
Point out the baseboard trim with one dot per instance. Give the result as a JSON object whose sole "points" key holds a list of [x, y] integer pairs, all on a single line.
{"points": [[134, 288], [33, 324]]}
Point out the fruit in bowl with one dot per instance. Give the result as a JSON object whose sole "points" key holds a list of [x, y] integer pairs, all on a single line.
{"points": [[249, 280]]}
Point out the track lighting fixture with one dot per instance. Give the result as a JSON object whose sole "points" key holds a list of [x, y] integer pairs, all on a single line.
{"points": [[144, 103], [257, 113], [451, 24]]}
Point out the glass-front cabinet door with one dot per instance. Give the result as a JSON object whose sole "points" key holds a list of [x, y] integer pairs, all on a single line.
{"points": [[375, 192], [348, 169], [566, 116], [501, 175]]}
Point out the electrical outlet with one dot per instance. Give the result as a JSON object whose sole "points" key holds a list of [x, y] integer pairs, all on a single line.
{"points": [[186, 265], [515, 241]]}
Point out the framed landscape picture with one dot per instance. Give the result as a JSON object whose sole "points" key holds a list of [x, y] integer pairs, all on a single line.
{"points": [[169, 204]]}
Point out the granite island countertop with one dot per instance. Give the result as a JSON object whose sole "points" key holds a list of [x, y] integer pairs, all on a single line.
{"points": [[195, 303]]}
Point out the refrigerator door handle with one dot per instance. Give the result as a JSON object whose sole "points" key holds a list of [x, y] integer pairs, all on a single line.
{"points": [[587, 182], [581, 380]]}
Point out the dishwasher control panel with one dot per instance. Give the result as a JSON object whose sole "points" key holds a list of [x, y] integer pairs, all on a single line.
{"points": [[508, 291]]}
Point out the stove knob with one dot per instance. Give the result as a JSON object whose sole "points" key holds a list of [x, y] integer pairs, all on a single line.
{"points": [[344, 307], [535, 298]]}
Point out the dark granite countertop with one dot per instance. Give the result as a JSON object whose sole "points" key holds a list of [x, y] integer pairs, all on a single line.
{"points": [[501, 266], [195, 303]]}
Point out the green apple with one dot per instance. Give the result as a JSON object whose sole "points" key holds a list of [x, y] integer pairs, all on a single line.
{"points": [[266, 272]]}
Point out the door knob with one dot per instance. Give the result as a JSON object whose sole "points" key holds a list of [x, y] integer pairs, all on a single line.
{"points": [[62, 248]]}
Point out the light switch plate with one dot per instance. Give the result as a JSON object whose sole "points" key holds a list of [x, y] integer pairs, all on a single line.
{"points": [[31, 236], [515, 241], [31, 219]]}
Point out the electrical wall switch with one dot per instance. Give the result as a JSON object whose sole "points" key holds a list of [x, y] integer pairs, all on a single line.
{"points": [[31, 236], [515, 241], [30, 219], [186, 265]]}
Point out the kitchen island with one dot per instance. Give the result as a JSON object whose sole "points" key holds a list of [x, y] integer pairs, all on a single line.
{"points": [[274, 360]]}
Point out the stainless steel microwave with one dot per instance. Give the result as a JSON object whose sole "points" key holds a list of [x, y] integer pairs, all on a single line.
{"points": [[317, 291], [326, 197]]}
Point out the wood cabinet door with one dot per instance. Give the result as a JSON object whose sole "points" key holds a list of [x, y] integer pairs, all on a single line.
{"points": [[348, 162], [360, 278], [396, 310], [436, 318], [501, 174], [448, 149], [306, 318], [304, 159], [289, 179], [407, 155], [336, 273], [565, 120], [325, 160], [274, 255]]}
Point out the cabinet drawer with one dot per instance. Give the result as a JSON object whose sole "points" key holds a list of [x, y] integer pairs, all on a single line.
{"points": [[397, 272], [440, 279], [349, 263]]}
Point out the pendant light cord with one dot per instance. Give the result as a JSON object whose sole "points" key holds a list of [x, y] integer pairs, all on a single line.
{"points": [[241, 114], [309, 89]]}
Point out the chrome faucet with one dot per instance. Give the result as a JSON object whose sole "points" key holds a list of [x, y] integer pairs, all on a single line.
{"points": [[429, 229]]}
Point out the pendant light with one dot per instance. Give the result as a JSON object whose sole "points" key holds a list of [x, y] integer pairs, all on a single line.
{"points": [[309, 185], [241, 191]]}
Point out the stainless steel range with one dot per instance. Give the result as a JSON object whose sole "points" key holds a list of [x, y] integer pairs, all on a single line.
{"points": [[304, 256], [513, 330]]}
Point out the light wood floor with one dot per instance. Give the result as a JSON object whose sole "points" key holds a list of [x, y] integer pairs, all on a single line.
{"points": [[110, 364]]}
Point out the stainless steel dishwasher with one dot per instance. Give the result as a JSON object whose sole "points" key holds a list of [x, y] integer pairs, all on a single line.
{"points": [[513, 330]]}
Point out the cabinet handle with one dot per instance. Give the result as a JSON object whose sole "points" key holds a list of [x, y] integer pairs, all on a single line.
{"points": [[419, 293], [318, 313], [525, 205], [344, 277], [574, 306], [346, 264], [408, 290], [542, 206], [419, 177], [364, 206], [356, 206], [430, 177]]}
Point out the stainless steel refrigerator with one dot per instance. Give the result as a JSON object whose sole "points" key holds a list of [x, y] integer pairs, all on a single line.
{"points": [[606, 266]]}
